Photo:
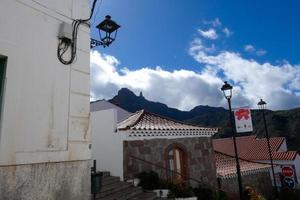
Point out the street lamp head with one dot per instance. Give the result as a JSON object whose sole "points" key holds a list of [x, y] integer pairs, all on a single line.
{"points": [[227, 90], [108, 25], [262, 104], [109, 29]]}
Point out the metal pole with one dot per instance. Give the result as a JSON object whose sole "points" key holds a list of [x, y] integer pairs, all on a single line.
{"points": [[235, 151], [94, 171], [270, 154]]}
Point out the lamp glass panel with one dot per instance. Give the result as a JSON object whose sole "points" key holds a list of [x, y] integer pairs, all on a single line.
{"points": [[227, 93]]}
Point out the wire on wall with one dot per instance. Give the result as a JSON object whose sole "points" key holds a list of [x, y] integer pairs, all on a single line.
{"points": [[64, 45]]}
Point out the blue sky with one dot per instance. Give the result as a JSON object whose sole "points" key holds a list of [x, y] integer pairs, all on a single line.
{"points": [[189, 47]]}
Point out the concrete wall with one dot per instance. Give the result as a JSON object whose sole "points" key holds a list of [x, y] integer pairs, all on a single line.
{"points": [[295, 163], [297, 169], [105, 105], [51, 181], [107, 146], [45, 115], [283, 146], [200, 157], [280, 163], [261, 181]]}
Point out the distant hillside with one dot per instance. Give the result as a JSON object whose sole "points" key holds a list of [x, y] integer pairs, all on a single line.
{"points": [[284, 123], [127, 100]]}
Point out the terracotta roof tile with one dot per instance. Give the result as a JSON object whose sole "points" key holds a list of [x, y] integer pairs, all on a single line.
{"points": [[226, 166], [143, 120], [252, 148], [288, 155]]}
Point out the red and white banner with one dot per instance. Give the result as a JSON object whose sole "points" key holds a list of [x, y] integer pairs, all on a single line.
{"points": [[243, 120]]}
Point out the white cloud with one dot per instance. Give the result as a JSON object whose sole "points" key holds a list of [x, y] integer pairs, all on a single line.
{"points": [[181, 89], [209, 34], [227, 32], [216, 22], [253, 80], [260, 52], [249, 48], [278, 84], [197, 44]]}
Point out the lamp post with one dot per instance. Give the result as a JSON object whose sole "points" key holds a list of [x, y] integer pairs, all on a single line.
{"points": [[262, 106], [227, 91], [109, 30], [68, 36]]}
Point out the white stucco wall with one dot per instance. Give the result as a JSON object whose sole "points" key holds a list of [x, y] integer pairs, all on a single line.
{"points": [[297, 166], [45, 116], [105, 105], [107, 144], [280, 163], [283, 146]]}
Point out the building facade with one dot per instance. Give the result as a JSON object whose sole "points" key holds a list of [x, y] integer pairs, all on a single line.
{"points": [[45, 137], [145, 141], [253, 174], [106, 105], [256, 149]]}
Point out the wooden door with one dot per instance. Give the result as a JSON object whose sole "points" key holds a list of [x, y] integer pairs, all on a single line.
{"points": [[177, 163]]}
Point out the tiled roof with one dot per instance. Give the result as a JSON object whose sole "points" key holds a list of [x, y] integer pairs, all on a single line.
{"points": [[288, 155], [226, 166], [252, 148], [143, 120]]}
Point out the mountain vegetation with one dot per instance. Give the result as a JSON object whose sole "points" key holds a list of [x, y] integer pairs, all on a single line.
{"points": [[283, 123]]}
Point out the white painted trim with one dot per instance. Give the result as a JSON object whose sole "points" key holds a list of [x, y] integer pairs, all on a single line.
{"points": [[249, 172], [155, 134]]}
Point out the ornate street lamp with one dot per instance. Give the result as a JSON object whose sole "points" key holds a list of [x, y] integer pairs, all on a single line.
{"points": [[68, 36], [227, 91], [262, 106], [107, 31]]}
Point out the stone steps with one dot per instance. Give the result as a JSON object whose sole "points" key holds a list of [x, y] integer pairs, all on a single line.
{"points": [[114, 189]]}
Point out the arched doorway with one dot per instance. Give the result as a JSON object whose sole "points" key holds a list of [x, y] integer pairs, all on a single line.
{"points": [[177, 162]]}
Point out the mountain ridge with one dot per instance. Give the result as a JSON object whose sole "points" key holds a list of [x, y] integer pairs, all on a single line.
{"points": [[284, 123]]}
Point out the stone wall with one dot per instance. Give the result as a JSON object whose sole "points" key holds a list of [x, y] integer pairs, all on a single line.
{"points": [[200, 158], [51, 181], [261, 181]]}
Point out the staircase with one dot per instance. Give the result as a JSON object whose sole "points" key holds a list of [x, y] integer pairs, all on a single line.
{"points": [[114, 189]]}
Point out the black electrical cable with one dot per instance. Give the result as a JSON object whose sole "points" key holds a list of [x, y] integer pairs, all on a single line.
{"points": [[75, 25], [92, 11]]}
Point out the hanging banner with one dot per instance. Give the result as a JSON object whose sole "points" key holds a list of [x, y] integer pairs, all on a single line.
{"points": [[243, 120]]}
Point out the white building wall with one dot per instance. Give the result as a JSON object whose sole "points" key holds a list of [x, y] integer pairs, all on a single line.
{"points": [[297, 166], [107, 143], [45, 114], [44, 133], [279, 163], [283, 146], [105, 105]]}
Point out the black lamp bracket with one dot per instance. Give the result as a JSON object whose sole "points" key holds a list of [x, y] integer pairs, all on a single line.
{"points": [[95, 43]]}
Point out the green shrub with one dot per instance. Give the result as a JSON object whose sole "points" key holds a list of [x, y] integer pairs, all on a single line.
{"points": [[149, 180], [180, 191], [204, 192], [221, 195], [250, 193], [288, 194]]}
